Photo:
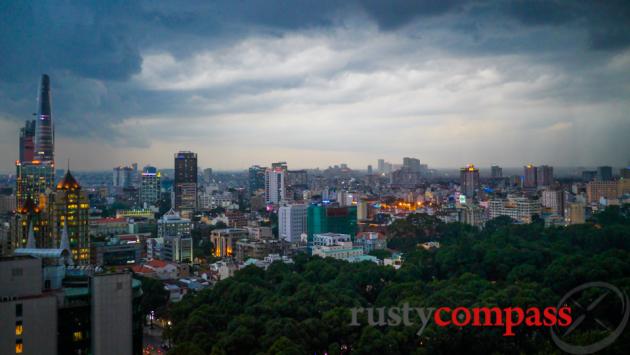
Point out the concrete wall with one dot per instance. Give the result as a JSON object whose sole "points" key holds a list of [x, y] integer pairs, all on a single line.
{"points": [[111, 296]]}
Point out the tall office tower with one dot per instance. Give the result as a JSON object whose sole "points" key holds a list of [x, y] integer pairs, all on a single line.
{"points": [[45, 141], [185, 184], [36, 174], [275, 185], [292, 222], [27, 141], [369, 169], [553, 200], [256, 178], [604, 173], [150, 186], [68, 211], [331, 219], [496, 171], [412, 164], [544, 175], [469, 180], [122, 177], [530, 175]]}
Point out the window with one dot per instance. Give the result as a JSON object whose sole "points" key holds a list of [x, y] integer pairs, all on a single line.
{"points": [[18, 328], [19, 347], [77, 336], [18, 310]]}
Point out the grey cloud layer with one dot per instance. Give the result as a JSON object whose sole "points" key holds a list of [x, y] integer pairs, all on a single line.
{"points": [[133, 73]]}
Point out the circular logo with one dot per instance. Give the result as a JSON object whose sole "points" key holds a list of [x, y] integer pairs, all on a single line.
{"points": [[605, 291]]}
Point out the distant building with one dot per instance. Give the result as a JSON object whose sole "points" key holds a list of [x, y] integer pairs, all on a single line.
{"points": [[604, 173], [496, 172], [331, 219], [292, 222], [370, 241], [469, 180], [150, 186], [177, 249], [521, 209], [589, 175], [530, 173], [172, 224], [595, 190], [412, 164], [122, 177], [576, 213], [333, 245], [553, 200], [256, 176], [275, 185], [544, 175], [224, 240], [185, 183]]}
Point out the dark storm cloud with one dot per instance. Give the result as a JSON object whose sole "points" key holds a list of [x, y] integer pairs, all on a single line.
{"points": [[99, 53]]}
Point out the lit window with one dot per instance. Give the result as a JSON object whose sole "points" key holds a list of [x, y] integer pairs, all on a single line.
{"points": [[18, 328], [77, 336], [19, 347]]}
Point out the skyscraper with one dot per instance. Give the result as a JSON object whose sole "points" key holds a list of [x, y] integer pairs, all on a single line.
{"points": [[35, 170], [185, 184], [544, 175], [412, 164], [275, 185], [496, 172], [530, 176], [333, 219], [68, 212], [45, 142], [604, 173], [469, 180], [150, 186]]}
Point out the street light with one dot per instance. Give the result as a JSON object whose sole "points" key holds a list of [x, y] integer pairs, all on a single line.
{"points": [[151, 318]]}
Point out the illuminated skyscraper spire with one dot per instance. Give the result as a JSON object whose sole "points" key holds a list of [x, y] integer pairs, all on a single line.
{"points": [[45, 142]]}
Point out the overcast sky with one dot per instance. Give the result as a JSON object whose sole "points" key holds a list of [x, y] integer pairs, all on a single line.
{"points": [[316, 83]]}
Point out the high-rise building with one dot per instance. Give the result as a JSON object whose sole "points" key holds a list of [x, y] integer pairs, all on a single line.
{"points": [[381, 166], [469, 180], [331, 219], [544, 175], [604, 173], [275, 185], [35, 170], [256, 178], [27, 141], [412, 164], [369, 170], [122, 177], [292, 222], [150, 186], [553, 200], [589, 175], [297, 183], [496, 172], [530, 174], [68, 212], [185, 184], [45, 134], [207, 175]]}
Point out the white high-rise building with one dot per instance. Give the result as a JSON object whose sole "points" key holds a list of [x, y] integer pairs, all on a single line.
{"points": [[292, 222], [275, 188]]}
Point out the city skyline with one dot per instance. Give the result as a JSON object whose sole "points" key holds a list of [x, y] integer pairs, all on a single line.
{"points": [[315, 85]]}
